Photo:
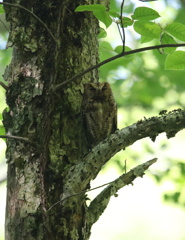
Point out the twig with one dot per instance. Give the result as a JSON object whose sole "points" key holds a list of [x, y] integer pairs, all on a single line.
{"points": [[76, 194], [100, 202], [4, 25], [4, 85], [123, 176], [122, 25], [61, 85], [119, 31], [17, 138], [33, 15], [125, 166]]}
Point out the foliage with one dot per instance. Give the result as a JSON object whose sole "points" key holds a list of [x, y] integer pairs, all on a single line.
{"points": [[140, 81], [141, 20]]}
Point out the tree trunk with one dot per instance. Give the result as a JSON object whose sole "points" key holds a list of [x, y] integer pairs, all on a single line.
{"points": [[47, 52]]}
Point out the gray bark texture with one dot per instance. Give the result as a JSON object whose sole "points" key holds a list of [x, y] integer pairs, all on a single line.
{"points": [[37, 168]]}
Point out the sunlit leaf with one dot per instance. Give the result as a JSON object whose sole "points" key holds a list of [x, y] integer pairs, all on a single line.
{"points": [[106, 50], [113, 14], [106, 45], [175, 61], [93, 7], [2, 130], [167, 39], [1, 9], [102, 33], [177, 30], [148, 29], [119, 49], [145, 39], [127, 21], [182, 168], [99, 12], [103, 17], [174, 197], [144, 13]]}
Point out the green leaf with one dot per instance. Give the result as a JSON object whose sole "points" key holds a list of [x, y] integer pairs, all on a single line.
{"points": [[93, 7], [113, 14], [102, 33], [145, 39], [103, 17], [106, 45], [106, 50], [174, 197], [119, 49], [148, 29], [167, 39], [175, 61], [177, 30], [127, 21], [182, 168], [1, 9], [144, 13], [99, 12], [2, 130]]}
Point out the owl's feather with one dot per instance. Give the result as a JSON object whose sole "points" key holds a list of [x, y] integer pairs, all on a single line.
{"points": [[99, 112]]}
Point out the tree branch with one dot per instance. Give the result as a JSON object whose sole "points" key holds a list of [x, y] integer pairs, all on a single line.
{"points": [[91, 164], [33, 15], [122, 25], [99, 204], [3, 85], [78, 75], [17, 138]]}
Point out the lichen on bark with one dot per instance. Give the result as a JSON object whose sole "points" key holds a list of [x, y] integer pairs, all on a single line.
{"points": [[52, 121]]}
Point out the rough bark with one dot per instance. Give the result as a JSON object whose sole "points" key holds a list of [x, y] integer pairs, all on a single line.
{"points": [[51, 121]]}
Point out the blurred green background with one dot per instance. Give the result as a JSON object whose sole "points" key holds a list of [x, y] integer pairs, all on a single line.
{"points": [[154, 206]]}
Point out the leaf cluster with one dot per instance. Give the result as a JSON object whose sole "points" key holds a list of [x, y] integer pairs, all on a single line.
{"points": [[142, 22]]}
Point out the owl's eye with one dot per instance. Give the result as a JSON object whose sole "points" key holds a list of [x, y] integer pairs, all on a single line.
{"points": [[104, 88]]}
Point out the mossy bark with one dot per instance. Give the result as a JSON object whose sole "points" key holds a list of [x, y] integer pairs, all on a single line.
{"points": [[51, 120]]}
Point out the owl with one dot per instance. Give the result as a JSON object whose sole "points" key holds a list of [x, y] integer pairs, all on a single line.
{"points": [[99, 112]]}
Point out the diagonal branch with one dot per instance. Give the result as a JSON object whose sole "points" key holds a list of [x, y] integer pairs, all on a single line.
{"points": [[2, 84], [90, 166], [78, 75], [99, 204]]}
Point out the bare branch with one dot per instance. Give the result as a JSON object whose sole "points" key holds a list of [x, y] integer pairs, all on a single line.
{"points": [[4, 85], [17, 138], [4, 25], [99, 204], [75, 77]]}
